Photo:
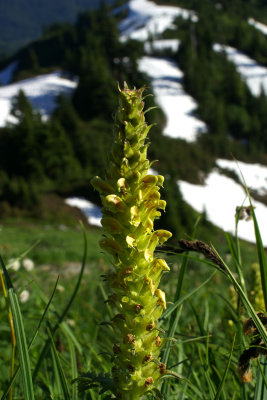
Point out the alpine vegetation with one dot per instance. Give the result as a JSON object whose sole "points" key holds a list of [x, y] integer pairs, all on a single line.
{"points": [[131, 202]]}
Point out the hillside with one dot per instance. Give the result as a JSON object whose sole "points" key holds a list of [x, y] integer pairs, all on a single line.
{"points": [[209, 82], [22, 22]]}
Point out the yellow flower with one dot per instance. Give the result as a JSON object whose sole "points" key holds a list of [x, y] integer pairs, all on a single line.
{"points": [[131, 201]]}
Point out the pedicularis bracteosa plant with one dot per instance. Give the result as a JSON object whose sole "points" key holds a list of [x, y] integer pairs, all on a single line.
{"points": [[131, 202]]}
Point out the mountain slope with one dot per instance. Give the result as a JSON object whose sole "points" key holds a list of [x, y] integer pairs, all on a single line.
{"points": [[184, 59], [21, 22]]}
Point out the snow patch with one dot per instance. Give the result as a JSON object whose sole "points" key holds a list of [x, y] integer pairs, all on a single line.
{"points": [[90, 210], [162, 44], [254, 74], [42, 92], [175, 103], [255, 174], [219, 197], [146, 19], [258, 25]]}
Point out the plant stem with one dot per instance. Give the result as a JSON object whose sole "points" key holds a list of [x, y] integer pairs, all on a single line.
{"points": [[12, 333]]}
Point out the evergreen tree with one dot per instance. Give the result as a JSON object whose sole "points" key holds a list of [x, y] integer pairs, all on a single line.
{"points": [[24, 158], [57, 155]]}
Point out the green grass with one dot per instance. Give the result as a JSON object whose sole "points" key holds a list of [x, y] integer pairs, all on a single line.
{"points": [[203, 326], [57, 243], [79, 333], [202, 350]]}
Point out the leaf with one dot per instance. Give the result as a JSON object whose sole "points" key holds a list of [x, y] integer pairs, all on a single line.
{"points": [[20, 337], [259, 244], [220, 388], [173, 307], [248, 306], [32, 339], [90, 380], [58, 368], [66, 309]]}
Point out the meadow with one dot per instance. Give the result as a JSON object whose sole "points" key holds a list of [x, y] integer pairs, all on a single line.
{"points": [[204, 325]]}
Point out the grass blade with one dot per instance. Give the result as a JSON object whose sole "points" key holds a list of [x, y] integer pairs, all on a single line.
{"points": [[220, 388], [24, 254], [32, 339], [261, 382], [20, 337], [167, 348], [174, 321], [69, 334], [173, 307], [261, 255], [66, 309], [248, 306], [259, 244], [235, 252], [58, 368], [74, 369]]}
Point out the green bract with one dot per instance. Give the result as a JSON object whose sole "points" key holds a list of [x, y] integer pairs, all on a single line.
{"points": [[131, 201]]}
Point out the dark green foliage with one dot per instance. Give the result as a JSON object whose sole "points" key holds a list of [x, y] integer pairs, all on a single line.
{"points": [[235, 8], [90, 380], [178, 158], [91, 50], [23, 160], [73, 145], [225, 102], [93, 87]]}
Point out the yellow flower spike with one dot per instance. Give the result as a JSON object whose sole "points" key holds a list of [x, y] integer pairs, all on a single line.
{"points": [[150, 284], [150, 180], [114, 203], [162, 204], [158, 266], [135, 219], [131, 241], [121, 184], [160, 180], [101, 186], [162, 235], [131, 200], [161, 298], [148, 255], [111, 225], [111, 246], [148, 224]]}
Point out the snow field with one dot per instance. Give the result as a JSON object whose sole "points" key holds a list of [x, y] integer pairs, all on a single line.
{"points": [[258, 25], [254, 74], [255, 175], [162, 44], [177, 106], [90, 210], [42, 92], [146, 19], [219, 197]]}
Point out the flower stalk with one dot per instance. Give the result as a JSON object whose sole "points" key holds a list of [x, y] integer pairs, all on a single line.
{"points": [[131, 202]]}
